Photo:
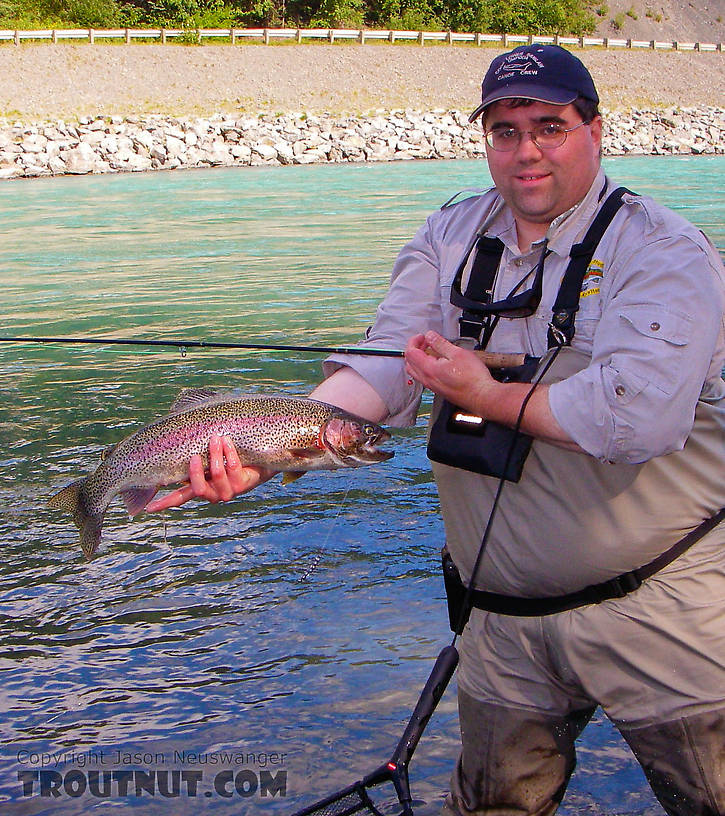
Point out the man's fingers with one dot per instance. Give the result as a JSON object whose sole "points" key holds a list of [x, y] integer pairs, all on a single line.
{"points": [[438, 345], [218, 487], [229, 449], [197, 478], [174, 499], [216, 459], [239, 478]]}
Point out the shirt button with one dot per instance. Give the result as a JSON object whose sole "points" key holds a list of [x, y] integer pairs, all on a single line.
{"points": [[655, 326], [620, 390], [519, 261]]}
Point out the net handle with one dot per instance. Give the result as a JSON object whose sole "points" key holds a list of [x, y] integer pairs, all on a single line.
{"points": [[433, 690], [428, 700]]}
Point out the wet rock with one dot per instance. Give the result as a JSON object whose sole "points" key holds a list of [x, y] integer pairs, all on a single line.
{"points": [[136, 143], [80, 160]]}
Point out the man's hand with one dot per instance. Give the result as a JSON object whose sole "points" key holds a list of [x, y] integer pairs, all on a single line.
{"points": [[227, 478], [462, 378], [455, 373]]}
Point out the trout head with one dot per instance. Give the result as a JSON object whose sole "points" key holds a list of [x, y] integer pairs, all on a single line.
{"points": [[352, 441]]}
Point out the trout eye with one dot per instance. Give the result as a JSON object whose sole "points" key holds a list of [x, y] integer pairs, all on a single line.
{"points": [[369, 430]]}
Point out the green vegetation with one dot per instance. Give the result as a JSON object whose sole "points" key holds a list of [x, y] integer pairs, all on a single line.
{"points": [[497, 16], [632, 13]]}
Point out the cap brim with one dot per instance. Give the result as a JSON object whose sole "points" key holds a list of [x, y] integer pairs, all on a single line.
{"points": [[552, 96]]}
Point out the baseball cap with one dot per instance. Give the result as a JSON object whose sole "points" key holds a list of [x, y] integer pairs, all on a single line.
{"points": [[545, 73]]}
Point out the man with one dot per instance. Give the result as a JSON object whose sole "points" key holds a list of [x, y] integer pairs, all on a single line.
{"points": [[628, 457]]}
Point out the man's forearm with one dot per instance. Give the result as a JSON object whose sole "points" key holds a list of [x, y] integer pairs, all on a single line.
{"points": [[348, 390], [504, 406]]}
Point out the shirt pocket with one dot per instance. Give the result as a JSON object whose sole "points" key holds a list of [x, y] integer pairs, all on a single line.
{"points": [[656, 338]]}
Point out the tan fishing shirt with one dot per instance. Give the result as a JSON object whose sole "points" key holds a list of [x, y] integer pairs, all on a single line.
{"points": [[646, 359]]}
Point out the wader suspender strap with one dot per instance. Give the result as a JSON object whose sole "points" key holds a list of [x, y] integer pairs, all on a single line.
{"points": [[615, 588], [488, 252], [561, 328], [487, 258]]}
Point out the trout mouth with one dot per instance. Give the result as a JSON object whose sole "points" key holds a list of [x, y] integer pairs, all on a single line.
{"points": [[354, 443], [372, 453]]}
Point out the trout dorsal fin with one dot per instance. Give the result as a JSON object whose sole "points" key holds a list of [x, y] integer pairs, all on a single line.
{"points": [[195, 397], [106, 452]]}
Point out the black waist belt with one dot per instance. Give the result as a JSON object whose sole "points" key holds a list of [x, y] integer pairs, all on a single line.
{"points": [[596, 593]]}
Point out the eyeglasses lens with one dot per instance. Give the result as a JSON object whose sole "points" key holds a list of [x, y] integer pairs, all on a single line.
{"points": [[548, 135]]}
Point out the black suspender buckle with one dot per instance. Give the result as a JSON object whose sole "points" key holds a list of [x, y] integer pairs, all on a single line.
{"points": [[562, 327], [470, 325]]}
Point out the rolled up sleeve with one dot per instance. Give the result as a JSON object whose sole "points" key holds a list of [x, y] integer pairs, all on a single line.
{"points": [[412, 305], [658, 341]]}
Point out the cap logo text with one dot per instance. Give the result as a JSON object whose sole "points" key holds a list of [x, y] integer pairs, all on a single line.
{"points": [[518, 65]]}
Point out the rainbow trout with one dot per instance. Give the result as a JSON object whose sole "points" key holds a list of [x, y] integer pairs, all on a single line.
{"points": [[291, 434]]}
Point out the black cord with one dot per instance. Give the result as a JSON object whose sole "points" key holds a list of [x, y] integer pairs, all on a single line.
{"points": [[470, 589]]}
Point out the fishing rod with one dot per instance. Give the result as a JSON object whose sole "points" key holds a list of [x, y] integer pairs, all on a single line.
{"points": [[207, 344], [491, 359]]}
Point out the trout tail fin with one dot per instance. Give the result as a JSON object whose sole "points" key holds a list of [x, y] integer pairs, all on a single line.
{"points": [[71, 500]]}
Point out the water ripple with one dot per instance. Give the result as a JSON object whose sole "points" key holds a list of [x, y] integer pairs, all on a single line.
{"points": [[302, 620]]}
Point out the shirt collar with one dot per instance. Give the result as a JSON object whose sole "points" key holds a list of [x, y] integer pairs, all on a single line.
{"points": [[563, 231]]}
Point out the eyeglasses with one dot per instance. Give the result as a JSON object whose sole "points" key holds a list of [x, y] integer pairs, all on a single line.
{"points": [[545, 136], [523, 304]]}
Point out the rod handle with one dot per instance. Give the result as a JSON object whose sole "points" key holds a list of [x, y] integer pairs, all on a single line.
{"points": [[494, 360]]}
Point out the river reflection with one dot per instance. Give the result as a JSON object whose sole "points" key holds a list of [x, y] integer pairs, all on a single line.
{"points": [[297, 623]]}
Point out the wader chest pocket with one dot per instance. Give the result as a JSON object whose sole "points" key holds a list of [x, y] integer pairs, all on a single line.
{"points": [[461, 440]]}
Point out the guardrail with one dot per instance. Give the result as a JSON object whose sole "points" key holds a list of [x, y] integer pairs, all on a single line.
{"points": [[331, 35]]}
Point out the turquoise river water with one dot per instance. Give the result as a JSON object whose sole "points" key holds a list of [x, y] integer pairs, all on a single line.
{"points": [[284, 636]]}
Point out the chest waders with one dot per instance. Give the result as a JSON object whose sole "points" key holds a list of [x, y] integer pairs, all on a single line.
{"points": [[356, 798], [491, 449]]}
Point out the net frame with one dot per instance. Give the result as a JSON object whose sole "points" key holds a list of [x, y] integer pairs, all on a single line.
{"points": [[395, 770]]}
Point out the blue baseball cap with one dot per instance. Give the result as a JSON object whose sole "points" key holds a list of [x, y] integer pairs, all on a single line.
{"points": [[545, 73]]}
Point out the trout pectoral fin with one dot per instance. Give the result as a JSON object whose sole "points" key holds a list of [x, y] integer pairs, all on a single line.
{"points": [[304, 453], [136, 498], [292, 476]]}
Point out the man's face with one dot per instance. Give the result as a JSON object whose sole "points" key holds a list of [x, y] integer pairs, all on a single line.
{"points": [[539, 184]]}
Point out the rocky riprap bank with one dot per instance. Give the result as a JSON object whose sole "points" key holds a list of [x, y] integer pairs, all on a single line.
{"points": [[117, 144]]}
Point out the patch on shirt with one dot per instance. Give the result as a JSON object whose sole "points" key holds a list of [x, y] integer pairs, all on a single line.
{"points": [[592, 278]]}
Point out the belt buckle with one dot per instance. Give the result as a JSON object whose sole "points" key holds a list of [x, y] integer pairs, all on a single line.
{"points": [[624, 584]]}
